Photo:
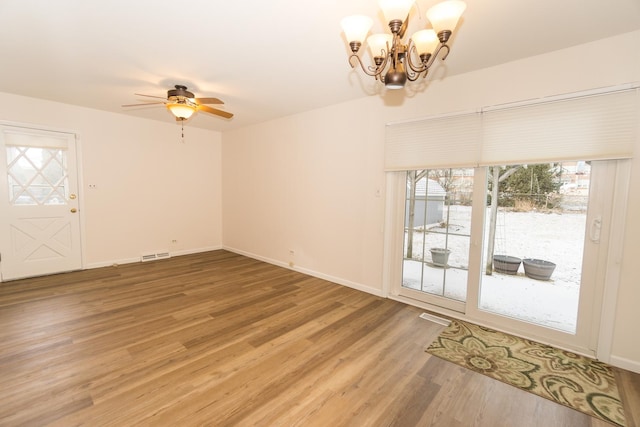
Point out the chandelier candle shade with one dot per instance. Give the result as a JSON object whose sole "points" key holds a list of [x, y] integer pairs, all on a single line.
{"points": [[396, 61]]}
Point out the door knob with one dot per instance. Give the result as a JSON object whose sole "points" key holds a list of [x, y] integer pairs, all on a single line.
{"points": [[74, 210]]}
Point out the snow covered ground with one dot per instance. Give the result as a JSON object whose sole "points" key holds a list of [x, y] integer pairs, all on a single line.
{"points": [[555, 237]]}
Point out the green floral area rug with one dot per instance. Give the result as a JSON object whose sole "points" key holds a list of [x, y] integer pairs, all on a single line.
{"points": [[570, 379]]}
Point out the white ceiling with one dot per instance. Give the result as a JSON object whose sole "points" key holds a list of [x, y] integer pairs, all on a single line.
{"points": [[265, 59]]}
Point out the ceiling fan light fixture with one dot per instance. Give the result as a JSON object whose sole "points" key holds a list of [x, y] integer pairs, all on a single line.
{"points": [[181, 111], [183, 104]]}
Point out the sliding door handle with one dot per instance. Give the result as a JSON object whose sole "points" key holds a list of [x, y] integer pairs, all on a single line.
{"points": [[594, 232]]}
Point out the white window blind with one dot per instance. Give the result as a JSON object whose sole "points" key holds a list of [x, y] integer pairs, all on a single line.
{"points": [[42, 140], [588, 128], [597, 126], [451, 141]]}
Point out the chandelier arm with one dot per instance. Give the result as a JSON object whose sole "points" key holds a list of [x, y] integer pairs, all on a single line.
{"points": [[418, 69], [380, 68], [403, 28], [370, 71], [412, 77], [433, 57], [435, 54]]}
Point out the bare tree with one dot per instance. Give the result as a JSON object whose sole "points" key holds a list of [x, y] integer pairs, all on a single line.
{"points": [[444, 177]]}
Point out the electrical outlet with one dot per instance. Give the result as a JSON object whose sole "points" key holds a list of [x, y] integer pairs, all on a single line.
{"points": [[292, 254]]}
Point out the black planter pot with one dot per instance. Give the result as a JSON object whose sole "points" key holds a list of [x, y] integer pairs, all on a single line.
{"points": [[506, 264]]}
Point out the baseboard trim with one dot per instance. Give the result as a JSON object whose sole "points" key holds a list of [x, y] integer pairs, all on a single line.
{"points": [[196, 251], [123, 261], [624, 363], [111, 263], [343, 282], [329, 278]]}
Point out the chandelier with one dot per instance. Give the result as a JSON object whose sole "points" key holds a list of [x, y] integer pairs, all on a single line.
{"points": [[397, 61]]}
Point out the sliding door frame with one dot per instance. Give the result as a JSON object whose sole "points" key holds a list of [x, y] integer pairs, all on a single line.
{"points": [[594, 335]]}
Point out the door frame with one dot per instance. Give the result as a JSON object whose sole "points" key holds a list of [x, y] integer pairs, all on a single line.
{"points": [[78, 171]]}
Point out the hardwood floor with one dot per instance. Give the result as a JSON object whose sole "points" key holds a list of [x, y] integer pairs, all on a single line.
{"points": [[219, 339]]}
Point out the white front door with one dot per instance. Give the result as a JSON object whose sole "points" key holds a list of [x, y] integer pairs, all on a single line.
{"points": [[40, 225]]}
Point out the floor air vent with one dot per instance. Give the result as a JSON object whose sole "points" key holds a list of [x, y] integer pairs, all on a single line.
{"points": [[154, 256], [435, 319]]}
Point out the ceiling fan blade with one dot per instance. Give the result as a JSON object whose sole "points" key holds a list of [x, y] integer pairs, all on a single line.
{"points": [[208, 101], [150, 96], [140, 105], [215, 111]]}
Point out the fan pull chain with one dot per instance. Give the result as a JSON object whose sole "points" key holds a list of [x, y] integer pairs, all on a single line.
{"points": [[182, 123]]}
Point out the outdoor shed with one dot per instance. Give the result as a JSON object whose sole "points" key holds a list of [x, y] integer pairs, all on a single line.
{"points": [[429, 203]]}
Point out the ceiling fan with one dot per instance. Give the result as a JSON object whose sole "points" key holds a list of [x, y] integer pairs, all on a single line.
{"points": [[183, 103]]}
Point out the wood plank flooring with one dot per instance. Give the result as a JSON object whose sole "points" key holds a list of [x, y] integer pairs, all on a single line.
{"points": [[218, 339]]}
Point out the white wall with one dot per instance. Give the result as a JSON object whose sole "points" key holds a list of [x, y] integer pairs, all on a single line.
{"points": [[309, 182], [150, 188]]}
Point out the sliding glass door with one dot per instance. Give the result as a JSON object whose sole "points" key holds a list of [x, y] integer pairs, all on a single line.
{"points": [[520, 246], [437, 233], [534, 242]]}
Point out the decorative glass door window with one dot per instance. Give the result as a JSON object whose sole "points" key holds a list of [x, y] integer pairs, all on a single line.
{"points": [[37, 175]]}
